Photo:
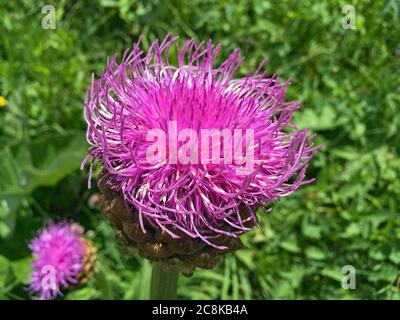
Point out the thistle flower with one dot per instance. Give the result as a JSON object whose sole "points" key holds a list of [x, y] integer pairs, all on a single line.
{"points": [[62, 258], [213, 201]]}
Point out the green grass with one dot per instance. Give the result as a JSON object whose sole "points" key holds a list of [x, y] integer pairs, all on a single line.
{"points": [[347, 81]]}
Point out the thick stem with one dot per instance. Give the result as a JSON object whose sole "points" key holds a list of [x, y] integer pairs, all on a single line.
{"points": [[164, 284]]}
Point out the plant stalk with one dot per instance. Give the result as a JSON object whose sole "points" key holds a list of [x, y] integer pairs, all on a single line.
{"points": [[164, 284]]}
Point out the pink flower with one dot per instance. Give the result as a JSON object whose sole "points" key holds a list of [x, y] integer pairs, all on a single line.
{"points": [[58, 253], [145, 93]]}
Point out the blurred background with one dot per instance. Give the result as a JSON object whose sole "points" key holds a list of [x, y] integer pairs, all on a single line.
{"points": [[346, 79]]}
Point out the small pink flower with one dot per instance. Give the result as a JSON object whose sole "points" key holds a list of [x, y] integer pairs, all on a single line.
{"points": [[58, 253]]}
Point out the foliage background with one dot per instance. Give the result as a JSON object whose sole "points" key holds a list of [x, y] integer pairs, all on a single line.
{"points": [[349, 85]]}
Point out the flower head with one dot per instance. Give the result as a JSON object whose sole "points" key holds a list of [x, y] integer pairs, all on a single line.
{"points": [[3, 102], [137, 100], [59, 253]]}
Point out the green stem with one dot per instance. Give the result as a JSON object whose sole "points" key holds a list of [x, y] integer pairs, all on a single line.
{"points": [[164, 284], [103, 285]]}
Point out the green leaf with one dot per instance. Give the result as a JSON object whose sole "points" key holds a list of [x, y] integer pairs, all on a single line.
{"points": [[290, 244], [5, 268], [334, 273], [312, 231], [247, 257], [315, 253], [85, 293], [42, 162], [22, 269], [395, 257]]}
